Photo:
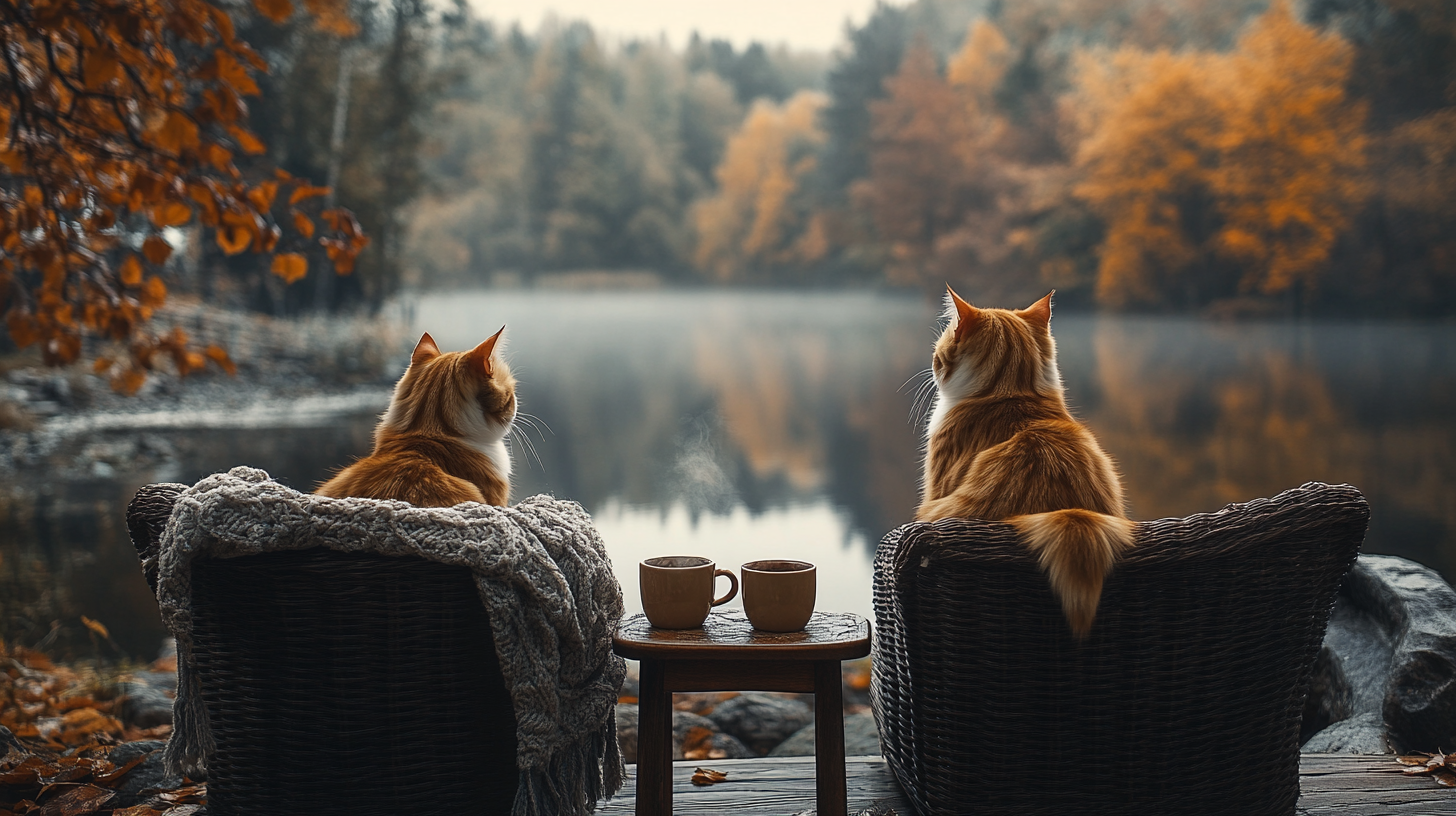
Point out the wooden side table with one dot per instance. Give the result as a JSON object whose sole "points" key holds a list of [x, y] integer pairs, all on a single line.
{"points": [[727, 654]]}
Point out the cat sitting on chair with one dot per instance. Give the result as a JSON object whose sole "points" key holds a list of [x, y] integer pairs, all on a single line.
{"points": [[442, 441], [1001, 445]]}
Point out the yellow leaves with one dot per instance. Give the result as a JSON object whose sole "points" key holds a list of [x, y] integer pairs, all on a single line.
{"points": [[101, 66], [154, 293], [121, 122], [751, 220], [131, 271], [303, 224], [290, 266], [1263, 139], [156, 249], [219, 356], [332, 16], [177, 132], [247, 142], [95, 626], [171, 214], [276, 10], [233, 239], [262, 196], [303, 192], [128, 381]]}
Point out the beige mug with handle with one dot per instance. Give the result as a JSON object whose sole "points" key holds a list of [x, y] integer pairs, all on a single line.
{"points": [[677, 590]]}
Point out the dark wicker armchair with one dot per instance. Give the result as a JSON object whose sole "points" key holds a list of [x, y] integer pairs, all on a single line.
{"points": [[1185, 699], [343, 683]]}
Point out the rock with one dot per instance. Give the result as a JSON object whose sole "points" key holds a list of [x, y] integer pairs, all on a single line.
{"points": [[627, 732], [683, 723], [142, 705], [760, 720], [146, 776], [1389, 657], [861, 738], [1361, 734], [718, 745], [1420, 695]]}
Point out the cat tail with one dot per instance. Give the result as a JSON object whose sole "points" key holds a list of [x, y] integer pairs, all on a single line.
{"points": [[1076, 550]]}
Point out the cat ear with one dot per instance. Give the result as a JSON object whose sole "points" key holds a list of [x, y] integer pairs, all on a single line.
{"points": [[425, 350], [480, 355], [966, 314], [1039, 314]]}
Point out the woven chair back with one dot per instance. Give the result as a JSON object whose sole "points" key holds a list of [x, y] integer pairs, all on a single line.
{"points": [[1185, 699], [347, 683]]}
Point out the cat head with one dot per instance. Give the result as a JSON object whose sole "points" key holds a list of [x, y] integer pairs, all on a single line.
{"points": [[996, 351], [466, 395]]}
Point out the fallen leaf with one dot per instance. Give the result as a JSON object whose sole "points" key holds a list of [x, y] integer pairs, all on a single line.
{"points": [[1417, 770], [79, 801], [708, 776], [1445, 779], [137, 810], [1413, 759], [107, 777]]}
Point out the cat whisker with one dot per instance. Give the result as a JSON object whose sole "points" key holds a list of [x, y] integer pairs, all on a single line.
{"points": [[535, 422], [530, 451], [911, 378]]}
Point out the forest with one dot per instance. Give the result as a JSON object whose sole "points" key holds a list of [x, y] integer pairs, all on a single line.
{"points": [[1231, 158], [1235, 158]]}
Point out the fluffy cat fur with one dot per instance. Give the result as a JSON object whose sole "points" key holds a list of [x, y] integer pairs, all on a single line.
{"points": [[1001, 445], [442, 440]]}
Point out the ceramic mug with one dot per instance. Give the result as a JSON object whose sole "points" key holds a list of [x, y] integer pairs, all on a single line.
{"points": [[677, 590], [778, 596]]}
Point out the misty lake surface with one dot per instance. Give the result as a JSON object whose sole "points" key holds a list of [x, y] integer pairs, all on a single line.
{"points": [[746, 425]]}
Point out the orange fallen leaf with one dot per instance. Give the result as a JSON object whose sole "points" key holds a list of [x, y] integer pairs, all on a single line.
{"points": [[80, 800], [708, 776], [95, 626]]}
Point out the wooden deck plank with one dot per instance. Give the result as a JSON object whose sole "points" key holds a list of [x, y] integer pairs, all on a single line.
{"points": [[1330, 785]]}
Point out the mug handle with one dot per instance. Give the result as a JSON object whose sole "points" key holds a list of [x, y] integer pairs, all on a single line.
{"points": [[732, 591]]}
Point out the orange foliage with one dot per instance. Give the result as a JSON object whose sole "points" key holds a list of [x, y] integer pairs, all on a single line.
{"points": [[1255, 157], [941, 151], [120, 121], [754, 219]]}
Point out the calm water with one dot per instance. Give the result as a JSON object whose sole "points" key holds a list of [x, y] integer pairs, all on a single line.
{"points": [[750, 425]]}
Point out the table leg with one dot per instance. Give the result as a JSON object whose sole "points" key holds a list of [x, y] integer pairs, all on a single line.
{"points": [[654, 742], [829, 780]]}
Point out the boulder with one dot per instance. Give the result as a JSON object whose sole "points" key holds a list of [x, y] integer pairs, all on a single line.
{"points": [[861, 738], [142, 705], [148, 775], [761, 720], [1388, 661]]}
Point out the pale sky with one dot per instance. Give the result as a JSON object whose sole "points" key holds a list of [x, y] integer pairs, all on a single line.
{"points": [[816, 25]]}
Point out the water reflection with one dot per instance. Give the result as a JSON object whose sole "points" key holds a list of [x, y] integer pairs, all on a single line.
{"points": [[750, 425]]}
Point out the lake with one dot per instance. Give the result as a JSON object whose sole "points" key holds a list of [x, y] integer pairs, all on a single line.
{"points": [[747, 425]]}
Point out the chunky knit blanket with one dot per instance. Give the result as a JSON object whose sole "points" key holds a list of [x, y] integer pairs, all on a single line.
{"points": [[544, 578]]}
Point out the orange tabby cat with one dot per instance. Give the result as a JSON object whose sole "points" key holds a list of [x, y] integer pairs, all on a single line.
{"points": [[1001, 445], [442, 441]]}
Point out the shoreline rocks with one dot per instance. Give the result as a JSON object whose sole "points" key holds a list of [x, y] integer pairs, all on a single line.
{"points": [[1385, 678]]}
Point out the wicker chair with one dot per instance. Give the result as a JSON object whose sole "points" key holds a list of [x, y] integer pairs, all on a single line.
{"points": [[343, 683], [1185, 699]]}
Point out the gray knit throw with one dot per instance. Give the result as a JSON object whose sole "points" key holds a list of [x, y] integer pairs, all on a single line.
{"points": [[544, 578]]}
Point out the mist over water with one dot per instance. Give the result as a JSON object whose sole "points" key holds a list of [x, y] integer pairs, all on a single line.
{"points": [[750, 425]]}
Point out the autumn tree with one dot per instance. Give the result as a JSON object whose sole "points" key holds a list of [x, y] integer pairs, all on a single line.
{"points": [[760, 218], [917, 186], [121, 122], [1220, 174]]}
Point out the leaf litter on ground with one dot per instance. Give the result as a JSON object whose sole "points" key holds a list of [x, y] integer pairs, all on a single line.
{"points": [[57, 732], [1440, 766]]}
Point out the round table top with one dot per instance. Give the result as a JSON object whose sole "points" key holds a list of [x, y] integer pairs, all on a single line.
{"points": [[729, 635]]}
